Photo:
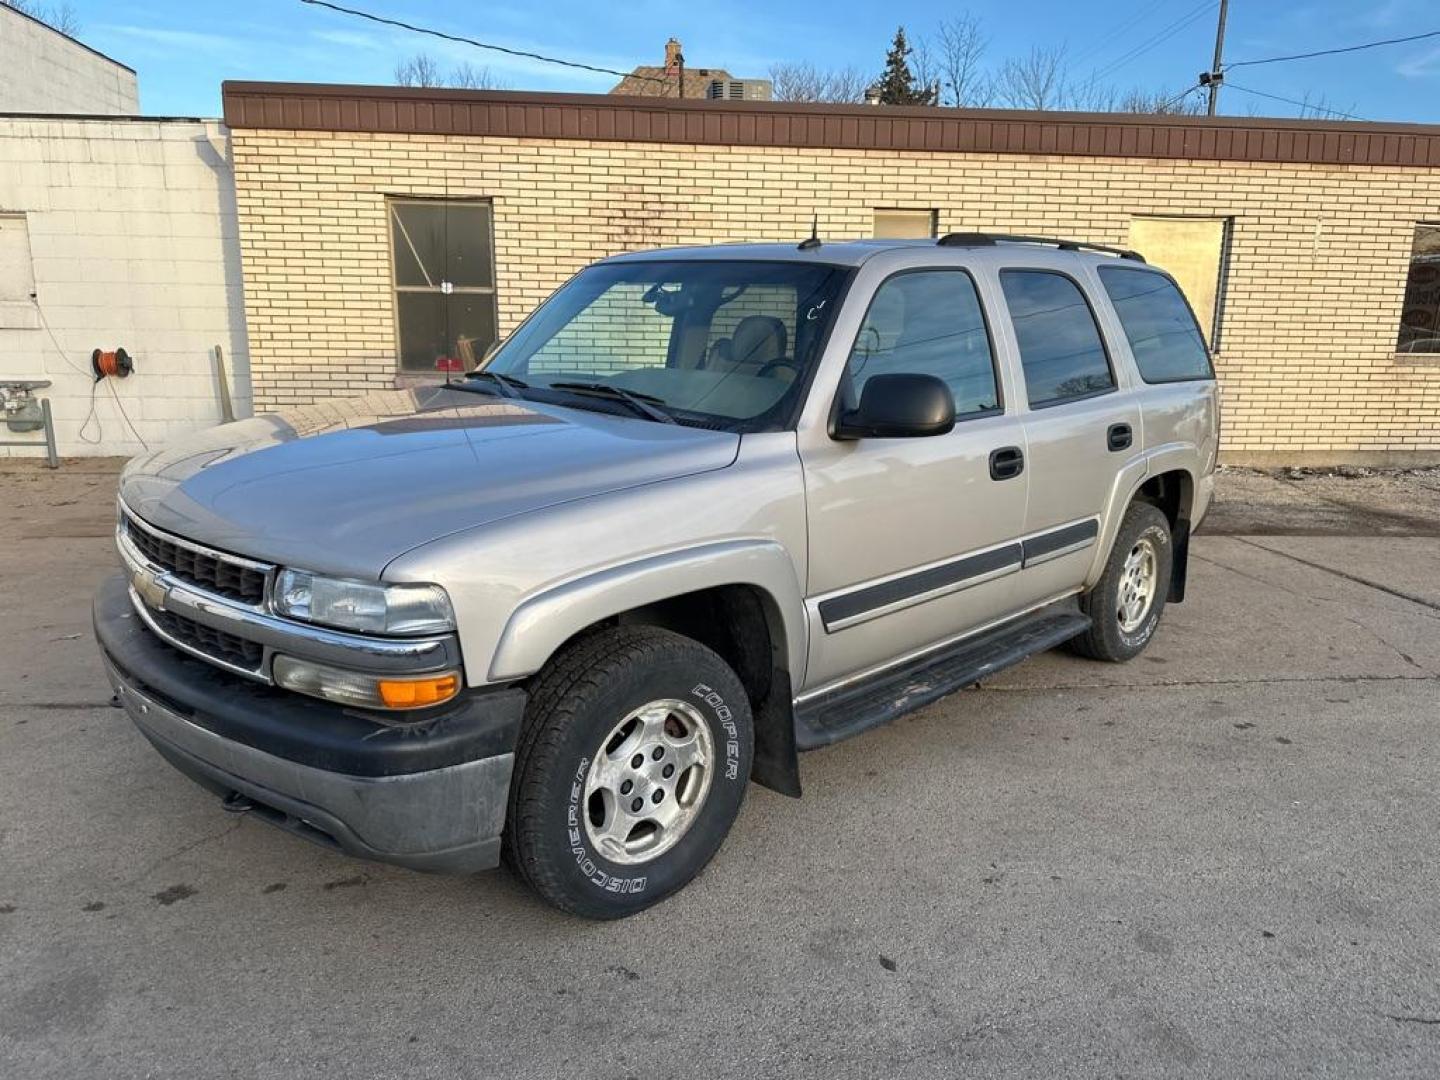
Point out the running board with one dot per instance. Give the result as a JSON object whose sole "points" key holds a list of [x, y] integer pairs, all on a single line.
{"points": [[849, 710]]}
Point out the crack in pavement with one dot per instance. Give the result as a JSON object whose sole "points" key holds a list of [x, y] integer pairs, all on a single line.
{"points": [[1399, 594], [1401, 653], [1180, 684], [1411, 1019], [185, 849]]}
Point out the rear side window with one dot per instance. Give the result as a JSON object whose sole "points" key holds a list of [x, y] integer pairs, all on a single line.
{"points": [[1060, 346], [1162, 332]]}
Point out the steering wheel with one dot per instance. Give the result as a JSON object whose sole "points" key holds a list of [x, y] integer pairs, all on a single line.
{"points": [[774, 365]]}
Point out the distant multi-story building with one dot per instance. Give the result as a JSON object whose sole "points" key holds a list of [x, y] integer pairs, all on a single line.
{"points": [[675, 80]]}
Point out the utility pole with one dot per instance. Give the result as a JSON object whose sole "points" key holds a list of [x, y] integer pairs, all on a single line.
{"points": [[1214, 77]]}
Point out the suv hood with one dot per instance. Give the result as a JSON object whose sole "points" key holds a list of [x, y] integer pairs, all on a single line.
{"points": [[344, 487]]}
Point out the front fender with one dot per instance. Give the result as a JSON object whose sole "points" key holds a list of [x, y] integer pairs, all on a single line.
{"points": [[542, 623]]}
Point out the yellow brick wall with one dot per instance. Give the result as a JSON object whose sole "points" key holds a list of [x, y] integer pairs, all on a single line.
{"points": [[1318, 254]]}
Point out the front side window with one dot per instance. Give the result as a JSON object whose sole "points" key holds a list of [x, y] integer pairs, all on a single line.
{"points": [[442, 252], [1061, 350], [1420, 313], [1163, 335], [927, 322], [713, 343]]}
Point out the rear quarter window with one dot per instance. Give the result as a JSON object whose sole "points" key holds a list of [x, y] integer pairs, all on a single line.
{"points": [[1159, 325]]}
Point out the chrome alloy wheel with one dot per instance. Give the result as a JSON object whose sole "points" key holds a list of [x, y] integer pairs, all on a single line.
{"points": [[648, 781], [1138, 579]]}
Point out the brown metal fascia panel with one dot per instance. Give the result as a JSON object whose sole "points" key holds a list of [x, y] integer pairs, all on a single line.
{"points": [[306, 107]]}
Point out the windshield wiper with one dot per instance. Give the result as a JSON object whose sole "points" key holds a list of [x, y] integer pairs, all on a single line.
{"points": [[639, 402], [508, 385]]}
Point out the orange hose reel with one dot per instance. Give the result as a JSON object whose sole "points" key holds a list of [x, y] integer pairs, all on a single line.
{"points": [[115, 365]]}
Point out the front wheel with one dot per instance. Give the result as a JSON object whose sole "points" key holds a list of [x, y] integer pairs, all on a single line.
{"points": [[631, 768], [1126, 603]]}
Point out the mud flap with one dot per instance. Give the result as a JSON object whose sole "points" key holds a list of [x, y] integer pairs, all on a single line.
{"points": [[776, 764]]}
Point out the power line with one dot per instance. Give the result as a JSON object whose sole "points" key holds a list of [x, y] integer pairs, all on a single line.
{"points": [[1158, 38], [1292, 101], [1335, 52], [1109, 38], [481, 44]]}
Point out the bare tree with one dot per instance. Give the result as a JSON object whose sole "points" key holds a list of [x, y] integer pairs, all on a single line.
{"points": [[960, 47], [805, 82], [420, 70], [469, 77], [1034, 81], [59, 17], [1160, 103]]}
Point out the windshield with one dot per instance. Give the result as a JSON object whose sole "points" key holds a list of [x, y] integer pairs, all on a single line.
{"points": [[720, 344]]}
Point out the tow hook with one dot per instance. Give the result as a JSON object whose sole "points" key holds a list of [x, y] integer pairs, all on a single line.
{"points": [[235, 803]]}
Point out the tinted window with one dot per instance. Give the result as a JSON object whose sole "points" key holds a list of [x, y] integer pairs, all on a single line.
{"points": [[928, 323], [1060, 346], [1420, 314], [444, 285], [1162, 333]]}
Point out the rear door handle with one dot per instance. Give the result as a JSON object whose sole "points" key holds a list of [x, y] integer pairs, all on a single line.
{"points": [[1119, 437], [1006, 463]]}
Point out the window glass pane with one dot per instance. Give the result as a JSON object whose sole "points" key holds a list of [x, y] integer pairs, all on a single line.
{"points": [[1060, 346], [1420, 314], [701, 336], [441, 241], [619, 331], [1162, 333], [439, 332], [928, 323], [753, 330]]}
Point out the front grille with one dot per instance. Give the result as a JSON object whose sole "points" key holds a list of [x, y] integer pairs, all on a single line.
{"points": [[212, 571], [216, 644]]}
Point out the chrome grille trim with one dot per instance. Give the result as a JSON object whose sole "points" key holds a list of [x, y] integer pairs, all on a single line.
{"points": [[153, 588], [148, 541]]}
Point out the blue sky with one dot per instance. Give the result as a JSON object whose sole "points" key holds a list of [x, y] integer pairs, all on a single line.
{"points": [[182, 50]]}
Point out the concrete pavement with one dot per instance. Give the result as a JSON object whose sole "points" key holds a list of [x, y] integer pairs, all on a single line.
{"points": [[1219, 860]]}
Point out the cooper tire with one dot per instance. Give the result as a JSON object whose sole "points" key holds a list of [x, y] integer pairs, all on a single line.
{"points": [[1143, 539], [572, 844]]}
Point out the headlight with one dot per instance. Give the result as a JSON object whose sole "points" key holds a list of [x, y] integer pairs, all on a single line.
{"points": [[358, 605]]}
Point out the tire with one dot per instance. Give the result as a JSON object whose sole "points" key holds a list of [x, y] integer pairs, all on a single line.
{"points": [[577, 844], [1116, 634]]}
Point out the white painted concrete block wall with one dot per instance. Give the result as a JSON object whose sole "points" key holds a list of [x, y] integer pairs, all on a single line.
{"points": [[43, 71], [133, 243]]}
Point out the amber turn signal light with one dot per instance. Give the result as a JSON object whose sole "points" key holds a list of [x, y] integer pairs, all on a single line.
{"points": [[417, 693]]}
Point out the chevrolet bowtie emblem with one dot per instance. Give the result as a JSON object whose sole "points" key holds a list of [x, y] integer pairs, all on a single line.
{"points": [[150, 589]]}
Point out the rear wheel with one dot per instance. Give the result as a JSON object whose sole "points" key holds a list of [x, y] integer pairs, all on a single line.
{"points": [[1126, 603], [630, 770]]}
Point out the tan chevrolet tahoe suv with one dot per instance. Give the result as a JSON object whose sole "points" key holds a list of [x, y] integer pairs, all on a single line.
{"points": [[704, 509]]}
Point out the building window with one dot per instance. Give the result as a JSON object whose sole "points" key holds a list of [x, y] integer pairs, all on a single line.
{"points": [[17, 275], [1195, 252], [1420, 314], [905, 224], [443, 255], [1061, 351]]}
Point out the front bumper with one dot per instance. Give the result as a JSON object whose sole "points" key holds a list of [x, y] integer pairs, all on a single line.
{"points": [[429, 793]]}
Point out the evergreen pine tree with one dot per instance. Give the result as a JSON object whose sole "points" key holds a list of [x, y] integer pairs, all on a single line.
{"points": [[897, 83]]}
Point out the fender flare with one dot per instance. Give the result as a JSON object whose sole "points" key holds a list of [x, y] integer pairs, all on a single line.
{"points": [[543, 622], [1170, 457]]}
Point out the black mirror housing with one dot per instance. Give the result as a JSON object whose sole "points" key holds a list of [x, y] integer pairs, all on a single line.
{"points": [[899, 406]]}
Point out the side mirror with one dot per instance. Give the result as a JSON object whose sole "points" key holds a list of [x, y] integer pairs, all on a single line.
{"points": [[899, 407]]}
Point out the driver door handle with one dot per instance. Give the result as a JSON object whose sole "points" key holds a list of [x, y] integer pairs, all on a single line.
{"points": [[1006, 463]]}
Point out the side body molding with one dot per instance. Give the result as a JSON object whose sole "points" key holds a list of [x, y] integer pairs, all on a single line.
{"points": [[543, 622]]}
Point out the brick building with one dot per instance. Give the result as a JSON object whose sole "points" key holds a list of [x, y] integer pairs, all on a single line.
{"points": [[1307, 247]]}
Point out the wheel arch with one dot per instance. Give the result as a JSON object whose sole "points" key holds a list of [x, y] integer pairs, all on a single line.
{"points": [[740, 598]]}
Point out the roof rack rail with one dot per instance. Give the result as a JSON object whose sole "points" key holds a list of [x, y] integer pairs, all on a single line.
{"points": [[980, 239]]}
